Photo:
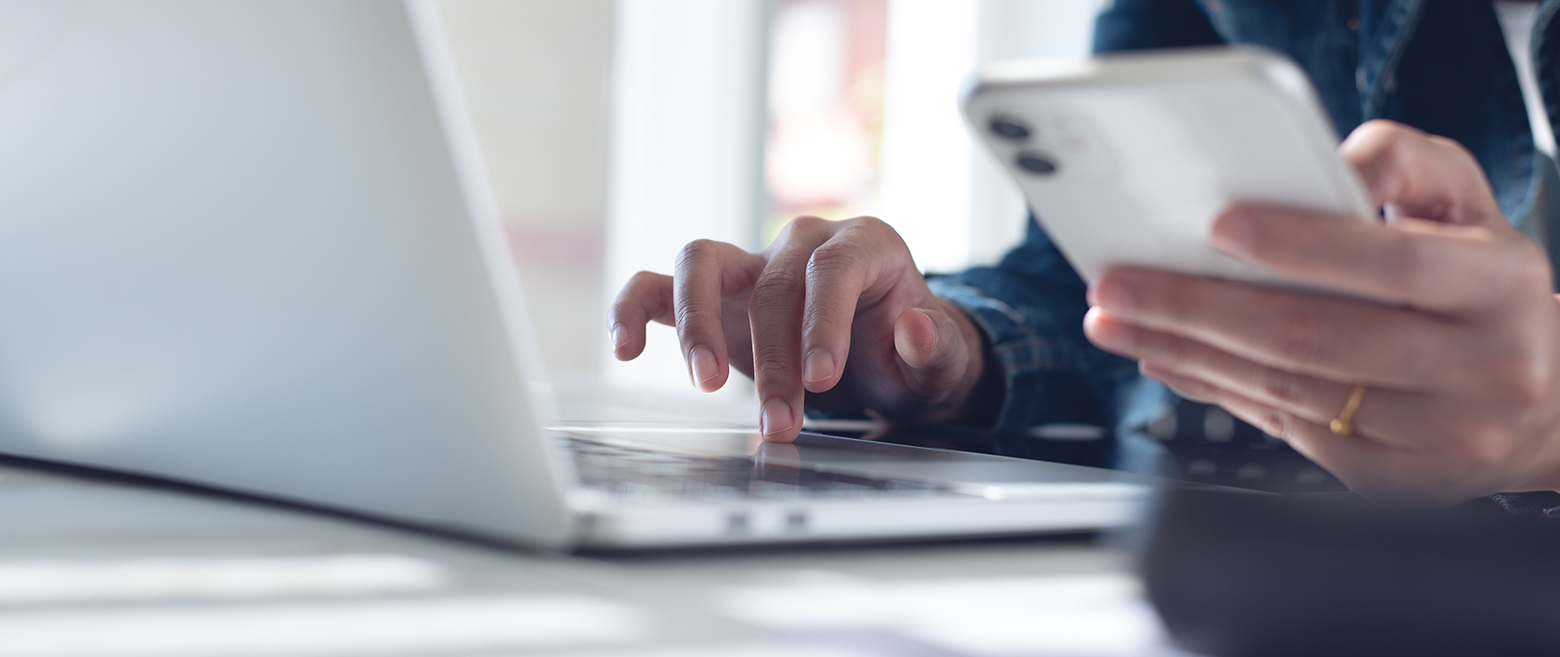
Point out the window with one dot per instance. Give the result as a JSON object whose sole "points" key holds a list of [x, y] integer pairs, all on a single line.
{"points": [[618, 131], [822, 150]]}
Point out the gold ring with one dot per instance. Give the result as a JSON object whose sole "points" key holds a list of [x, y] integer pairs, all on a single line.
{"points": [[1343, 425]]}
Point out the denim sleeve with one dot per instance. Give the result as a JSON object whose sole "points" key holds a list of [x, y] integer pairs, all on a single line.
{"points": [[1143, 24], [1031, 307]]}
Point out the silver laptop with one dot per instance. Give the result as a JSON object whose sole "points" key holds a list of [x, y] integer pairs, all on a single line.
{"points": [[248, 245]]}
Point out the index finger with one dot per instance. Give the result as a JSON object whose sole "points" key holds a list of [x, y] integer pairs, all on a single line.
{"points": [[1324, 336], [1411, 262]]}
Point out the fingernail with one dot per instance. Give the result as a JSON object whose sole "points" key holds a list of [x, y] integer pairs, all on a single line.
{"points": [[704, 367], [1232, 234], [776, 418], [1114, 336], [617, 337], [1116, 293], [819, 366]]}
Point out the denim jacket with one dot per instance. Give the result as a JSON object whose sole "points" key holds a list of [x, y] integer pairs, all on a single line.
{"points": [[1439, 65]]}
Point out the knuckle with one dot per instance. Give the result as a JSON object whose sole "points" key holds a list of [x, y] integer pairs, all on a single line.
{"points": [[690, 315], [826, 325], [773, 287], [639, 285], [645, 293], [869, 222], [1381, 137], [1384, 128], [1454, 149], [773, 363], [1394, 135], [1278, 423], [1400, 149], [1281, 386], [837, 256], [873, 229], [695, 251], [807, 221], [1382, 145], [805, 227]]}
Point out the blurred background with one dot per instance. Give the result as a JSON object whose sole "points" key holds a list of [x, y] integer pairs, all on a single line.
{"points": [[618, 130]]}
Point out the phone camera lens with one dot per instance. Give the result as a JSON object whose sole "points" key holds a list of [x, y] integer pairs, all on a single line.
{"points": [[1036, 163], [1009, 128]]}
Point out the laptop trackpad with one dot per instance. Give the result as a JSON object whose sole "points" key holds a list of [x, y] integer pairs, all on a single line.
{"points": [[962, 470], [886, 460]]}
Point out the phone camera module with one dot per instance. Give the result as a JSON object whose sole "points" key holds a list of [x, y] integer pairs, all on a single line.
{"points": [[1009, 128], [1036, 163]]}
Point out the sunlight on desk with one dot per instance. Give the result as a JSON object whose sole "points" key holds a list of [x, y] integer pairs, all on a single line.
{"points": [[377, 627], [1065, 615], [35, 582]]}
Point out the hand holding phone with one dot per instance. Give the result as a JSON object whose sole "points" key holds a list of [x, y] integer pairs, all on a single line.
{"points": [[1432, 374]]}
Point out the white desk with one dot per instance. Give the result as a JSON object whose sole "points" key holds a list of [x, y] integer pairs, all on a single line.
{"points": [[102, 567]]}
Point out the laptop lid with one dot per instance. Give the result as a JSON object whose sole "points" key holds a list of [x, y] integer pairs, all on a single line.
{"points": [[248, 244]]}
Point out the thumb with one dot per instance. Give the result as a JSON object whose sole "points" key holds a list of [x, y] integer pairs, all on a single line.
{"points": [[1414, 174], [932, 350]]}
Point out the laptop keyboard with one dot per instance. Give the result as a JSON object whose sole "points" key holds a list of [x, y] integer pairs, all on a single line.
{"points": [[647, 475]]}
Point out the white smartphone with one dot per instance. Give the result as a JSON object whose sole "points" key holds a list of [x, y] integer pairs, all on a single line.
{"points": [[1127, 159]]}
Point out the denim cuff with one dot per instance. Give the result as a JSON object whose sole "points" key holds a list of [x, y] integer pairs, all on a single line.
{"points": [[1033, 363]]}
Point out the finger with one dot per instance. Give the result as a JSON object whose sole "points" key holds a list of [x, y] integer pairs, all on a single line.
{"points": [[932, 353], [1391, 417], [775, 313], [852, 264], [1412, 262], [1183, 386], [1323, 336], [1365, 466], [1419, 175], [646, 297], [705, 271]]}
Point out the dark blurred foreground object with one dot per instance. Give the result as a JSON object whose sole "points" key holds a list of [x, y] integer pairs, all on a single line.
{"points": [[1237, 575]]}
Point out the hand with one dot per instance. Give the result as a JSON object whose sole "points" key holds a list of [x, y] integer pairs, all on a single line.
{"points": [[836, 308], [1461, 356]]}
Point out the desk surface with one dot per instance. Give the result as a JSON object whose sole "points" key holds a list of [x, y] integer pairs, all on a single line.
{"points": [[93, 566]]}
